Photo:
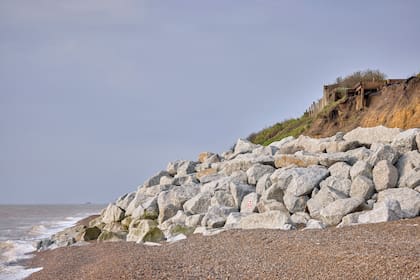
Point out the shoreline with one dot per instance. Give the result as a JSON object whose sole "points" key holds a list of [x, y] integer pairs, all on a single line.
{"points": [[385, 250]]}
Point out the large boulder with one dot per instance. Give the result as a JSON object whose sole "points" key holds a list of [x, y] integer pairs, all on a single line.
{"points": [[91, 233], [125, 200], [340, 170], [249, 203], [243, 146], [388, 210], [197, 204], [409, 169], [406, 141], [383, 152], [171, 201], [144, 231], [274, 192], [408, 199], [300, 218], [298, 159], [222, 198], [113, 213], [337, 183], [238, 192], [267, 220], [362, 187], [263, 183], [181, 167], [324, 197], [194, 220], [306, 179], [385, 175], [361, 168], [108, 236], [147, 210], [216, 216], [155, 179], [257, 171], [295, 203], [264, 205], [369, 135], [333, 213]]}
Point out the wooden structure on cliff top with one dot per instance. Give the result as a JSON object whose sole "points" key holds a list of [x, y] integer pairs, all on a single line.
{"points": [[361, 91]]}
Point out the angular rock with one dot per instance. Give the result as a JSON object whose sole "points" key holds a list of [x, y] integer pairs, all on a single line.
{"points": [[295, 203], [197, 204], [257, 171], [350, 219], [113, 213], [274, 192], [147, 210], [166, 180], [369, 135], [300, 218], [383, 152], [340, 170], [249, 203], [362, 187], [171, 201], [408, 166], [205, 173], [238, 191], [155, 179], [243, 146], [205, 156], [385, 175], [125, 200], [222, 198], [282, 178], [324, 197], [91, 233], [233, 220], [107, 236], [263, 183], [408, 199], [144, 231], [361, 168], [306, 179], [298, 159], [267, 220], [194, 220], [184, 180], [332, 214], [270, 205], [361, 153], [385, 211], [181, 167], [216, 216], [338, 184], [406, 141], [315, 224]]}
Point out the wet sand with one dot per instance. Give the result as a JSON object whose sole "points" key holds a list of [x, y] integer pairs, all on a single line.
{"points": [[376, 251]]}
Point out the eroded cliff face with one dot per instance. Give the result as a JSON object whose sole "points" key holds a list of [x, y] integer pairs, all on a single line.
{"points": [[394, 106]]}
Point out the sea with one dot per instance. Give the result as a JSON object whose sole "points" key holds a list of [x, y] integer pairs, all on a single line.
{"points": [[21, 226]]}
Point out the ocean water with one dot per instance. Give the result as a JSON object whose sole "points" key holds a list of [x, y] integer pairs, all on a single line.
{"points": [[21, 226]]}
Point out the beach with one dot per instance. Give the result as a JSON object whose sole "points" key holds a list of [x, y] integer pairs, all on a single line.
{"points": [[373, 251]]}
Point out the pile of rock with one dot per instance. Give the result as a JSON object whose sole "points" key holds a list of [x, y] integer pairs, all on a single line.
{"points": [[367, 175]]}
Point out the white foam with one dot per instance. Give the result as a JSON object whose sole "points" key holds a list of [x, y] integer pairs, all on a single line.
{"points": [[16, 272]]}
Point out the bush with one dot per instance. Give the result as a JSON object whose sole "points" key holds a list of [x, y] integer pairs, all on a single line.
{"points": [[360, 76]]}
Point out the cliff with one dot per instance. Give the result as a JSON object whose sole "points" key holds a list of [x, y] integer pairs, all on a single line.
{"points": [[392, 105]]}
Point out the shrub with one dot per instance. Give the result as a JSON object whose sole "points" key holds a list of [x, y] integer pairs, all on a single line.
{"points": [[360, 76]]}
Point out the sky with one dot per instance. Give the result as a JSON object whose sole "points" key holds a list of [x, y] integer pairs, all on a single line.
{"points": [[98, 95]]}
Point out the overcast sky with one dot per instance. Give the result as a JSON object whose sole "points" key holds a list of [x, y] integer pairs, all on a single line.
{"points": [[98, 95]]}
